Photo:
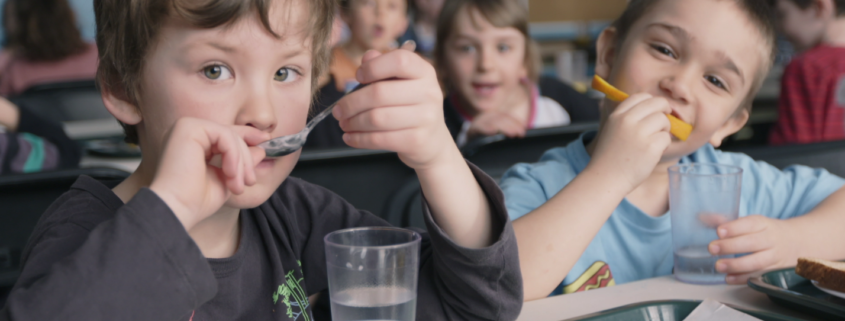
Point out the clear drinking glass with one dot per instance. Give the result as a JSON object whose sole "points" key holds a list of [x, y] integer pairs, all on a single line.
{"points": [[373, 273], [701, 197]]}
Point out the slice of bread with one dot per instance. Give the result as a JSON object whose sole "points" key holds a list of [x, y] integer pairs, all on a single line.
{"points": [[829, 274]]}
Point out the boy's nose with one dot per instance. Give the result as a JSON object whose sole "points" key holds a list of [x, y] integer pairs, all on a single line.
{"points": [[485, 59], [676, 87], [258, 113]]}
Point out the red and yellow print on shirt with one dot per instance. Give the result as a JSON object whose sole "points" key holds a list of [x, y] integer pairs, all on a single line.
{"points": [[597, 276]]}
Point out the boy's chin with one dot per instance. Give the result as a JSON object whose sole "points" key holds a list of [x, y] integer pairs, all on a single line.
{"points": [[252, 197]]}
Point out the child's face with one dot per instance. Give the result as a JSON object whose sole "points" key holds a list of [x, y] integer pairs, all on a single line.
{"points": [[376, 24], [233, 75], [703, 56], [803, 27], [484, 63]]}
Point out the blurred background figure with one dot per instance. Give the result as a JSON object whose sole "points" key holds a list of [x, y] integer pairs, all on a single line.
{"points": [[42, 45], [29, 143], [490, 68], [423, 27], [812, 98]]}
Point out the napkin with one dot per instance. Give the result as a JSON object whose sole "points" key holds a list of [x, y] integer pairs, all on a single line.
{"points": [[714, 310]]}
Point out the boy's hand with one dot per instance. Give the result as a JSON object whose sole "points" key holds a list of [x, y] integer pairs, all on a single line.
{"points": [[770, 242], [192, 187], [633, 139], [492, 123], [404, 115]]}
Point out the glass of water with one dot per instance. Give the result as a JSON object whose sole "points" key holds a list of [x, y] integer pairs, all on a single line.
{"points": [[701, 197], [372, 273]]}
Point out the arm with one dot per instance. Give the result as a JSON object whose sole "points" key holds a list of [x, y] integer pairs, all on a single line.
{"points": [[406, 116], [21, 120], [626, 152], [66, 265], [9, 115]]}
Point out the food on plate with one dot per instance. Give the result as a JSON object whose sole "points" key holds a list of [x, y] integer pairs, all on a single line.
{"points": [[828, 274]]}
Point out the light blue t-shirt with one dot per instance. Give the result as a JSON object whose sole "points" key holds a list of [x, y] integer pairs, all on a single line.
{"points": [[633, 246]]}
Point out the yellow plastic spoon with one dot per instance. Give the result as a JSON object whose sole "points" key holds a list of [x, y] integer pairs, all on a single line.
{"points": [[679, 128]]}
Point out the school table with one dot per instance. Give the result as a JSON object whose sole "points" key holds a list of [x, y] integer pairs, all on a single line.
{"points": [[573, 305]]}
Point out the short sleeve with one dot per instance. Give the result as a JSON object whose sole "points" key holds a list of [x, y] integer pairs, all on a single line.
{"points": [[786, 193], [527, 186]]}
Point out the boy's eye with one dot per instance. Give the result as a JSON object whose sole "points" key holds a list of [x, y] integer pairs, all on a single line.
{"points": [[504, 48], [664, 50], [466, 48], [716, 82], [285, 75], [216, 72]]}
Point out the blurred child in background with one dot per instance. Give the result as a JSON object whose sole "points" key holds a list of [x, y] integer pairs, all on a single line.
{"points": [[373, 25], [812, 97], [423, 30], [29, 143], [490, 68], [43, 45]]}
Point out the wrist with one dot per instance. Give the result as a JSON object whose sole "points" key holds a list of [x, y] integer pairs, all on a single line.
{"points": [[179, 210], [614, 179]]}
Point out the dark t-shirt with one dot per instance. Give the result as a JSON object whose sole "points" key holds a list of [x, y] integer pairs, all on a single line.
{"points": [[93, 258]]}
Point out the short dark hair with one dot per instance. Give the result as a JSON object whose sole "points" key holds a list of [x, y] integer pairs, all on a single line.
{"points": [[345, 5], [758, 11], [804, 4], [126, 30], [42, 30]]}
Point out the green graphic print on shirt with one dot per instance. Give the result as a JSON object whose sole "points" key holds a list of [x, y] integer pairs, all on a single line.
{"points": [[293, 288]]}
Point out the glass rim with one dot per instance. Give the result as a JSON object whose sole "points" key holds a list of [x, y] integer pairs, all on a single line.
{"points": [[415, 237], [675, 169]]}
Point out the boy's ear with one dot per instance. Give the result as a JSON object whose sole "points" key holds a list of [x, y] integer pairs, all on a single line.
{"points": [[121, 109], [606, 52], [733, 125]]}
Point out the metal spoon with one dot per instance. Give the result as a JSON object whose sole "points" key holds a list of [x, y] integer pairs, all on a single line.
{"points": [[285, 145]]}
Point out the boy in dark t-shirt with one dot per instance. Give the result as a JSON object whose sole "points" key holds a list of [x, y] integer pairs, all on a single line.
{"points": [[208, 228], [812, 97]]}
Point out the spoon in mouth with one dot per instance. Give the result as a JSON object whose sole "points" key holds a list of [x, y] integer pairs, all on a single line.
{"points": [[286, 145]]}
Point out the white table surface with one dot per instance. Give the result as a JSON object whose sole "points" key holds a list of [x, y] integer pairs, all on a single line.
{"points": [[125, 164], [573, 305]]}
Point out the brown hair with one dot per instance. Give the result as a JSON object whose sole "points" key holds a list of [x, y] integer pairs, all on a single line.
{"points": [[758, 11], [804, 4], [42, 30], [501, 14], [127, 30]]}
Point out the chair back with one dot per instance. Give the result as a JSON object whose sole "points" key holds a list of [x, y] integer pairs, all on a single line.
{"points": [[828, 155], [64, 101]]}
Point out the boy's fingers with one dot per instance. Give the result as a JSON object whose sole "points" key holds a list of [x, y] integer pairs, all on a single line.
{"points": [[250, 135], [750, 263], [649, 107], [632, 101], [743, 225], [249, 167], [381, 94], [747, 243], [385, 119], [712, 220], [395, 141], [370, 55], [401, 64]]}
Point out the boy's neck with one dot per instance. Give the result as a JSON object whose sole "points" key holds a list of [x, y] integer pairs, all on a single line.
{"points": [[835, 33], [218, 236]]}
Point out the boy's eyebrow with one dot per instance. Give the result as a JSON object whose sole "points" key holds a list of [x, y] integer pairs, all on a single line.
{"points": [[679, 32], [222, 47], [730, 65], [675, 30]]}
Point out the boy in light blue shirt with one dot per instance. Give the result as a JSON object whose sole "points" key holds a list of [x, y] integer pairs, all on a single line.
{"points": [[593, 214]]}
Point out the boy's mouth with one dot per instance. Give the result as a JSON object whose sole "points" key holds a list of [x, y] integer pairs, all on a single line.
{"points": [[484, 89], [677, 115], [378, 31]]}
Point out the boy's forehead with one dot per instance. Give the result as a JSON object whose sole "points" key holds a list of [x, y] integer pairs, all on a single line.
{"points": [[288, 21], [715, 29]]}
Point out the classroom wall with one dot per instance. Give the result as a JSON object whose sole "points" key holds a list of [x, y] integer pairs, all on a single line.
{"points": [[570, 10]]}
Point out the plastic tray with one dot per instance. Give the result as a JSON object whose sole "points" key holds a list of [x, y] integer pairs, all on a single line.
{"points": [[790, 290], [674, 310]]}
